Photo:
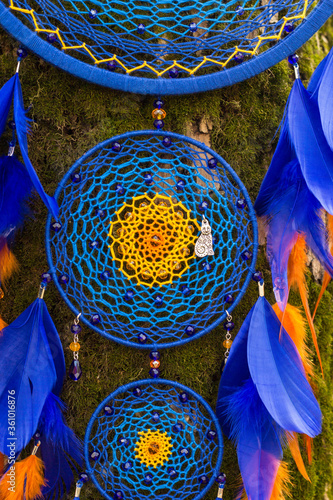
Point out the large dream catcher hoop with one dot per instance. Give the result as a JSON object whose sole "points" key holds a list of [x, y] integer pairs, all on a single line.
{"points": [[164, 47]]}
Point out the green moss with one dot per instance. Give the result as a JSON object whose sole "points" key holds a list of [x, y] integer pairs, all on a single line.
{"points": [[69, 117]]}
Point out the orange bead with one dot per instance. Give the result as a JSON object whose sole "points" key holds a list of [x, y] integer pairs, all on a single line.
{"points": [[75, 346], [158, 114], [155, 363], [227, 344]]}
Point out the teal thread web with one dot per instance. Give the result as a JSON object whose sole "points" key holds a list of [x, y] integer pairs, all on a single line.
{"points": [[69, 253], [132, 414]]}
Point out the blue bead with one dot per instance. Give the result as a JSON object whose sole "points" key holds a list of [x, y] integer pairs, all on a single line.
{"points": [[158, 103], [148, 479], [154, 355], [228, 325], [94, 244], [293, 59], [148, 179], [215, 240], [111, 65], [221, 478], [99, 212], [116, 147], [120, 189], [212, 162], [289, 27], [158, 301], [206, 266], [108, 411], [142, 338], [76, 328], [167, 142], [21, 53], [247, 255], [126, 465], [12, 125], [257, 276], [172, 473], [239, 57], [177, 428], [124, 441], [180, 185], [105, 275], [84, 477], [203, 479], [76, 177], [51, 38], [46, 277], [183, 397], [173, 72], [129, 295], [211, 435], [193, 27], [79, 484], [63, 279], [229, 298], [141, 28], [154, 372], [190, 330], [95, 319], [185, 290], [94, 455], [137, 391], [93, 13], [158, 124], [56, 226], [241, 203], [239, 10], [203, 205], [37, 436], [184, 452], [118, 495], [155, 417], [75, 370]]}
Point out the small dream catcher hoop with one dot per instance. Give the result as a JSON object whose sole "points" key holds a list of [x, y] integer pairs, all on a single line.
{"points": [[132, 215], [151, 438], [153, 47]]}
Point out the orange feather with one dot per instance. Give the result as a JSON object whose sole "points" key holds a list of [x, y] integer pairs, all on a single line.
{"points": [[296, 277], [327, 277], [292, 438], [8, 263], [24, 479], [308, 443]]}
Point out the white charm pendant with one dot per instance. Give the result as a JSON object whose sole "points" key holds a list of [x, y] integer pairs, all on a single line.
{"points": [[204, 244]]}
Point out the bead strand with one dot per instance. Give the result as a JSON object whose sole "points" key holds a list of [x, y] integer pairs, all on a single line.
{"points": [[155, 363], [227, 343], [158, 114], [75, 370]]}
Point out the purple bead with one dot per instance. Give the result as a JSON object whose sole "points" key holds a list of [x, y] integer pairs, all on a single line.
{"points": [[116, 147], [76, 177], [193, 27], [247, 255], [84, 477], [108, 411], [228, 325], [111, 65], [155, 417], [94, 244], [184, 452], [211, 435], [206, 266], [190, 330], [94, 455], [51, 38], [229, 298], [221, 478], [180, 185], [173, 72], [93, 13], [105, 275], [293, 59], [21, 53], [185, 290], [118, 495], [212, 162], [154, 372], [148, 479], [289, 27], [158, 124], [37, 436], [120, 189], [142, 338], [154, 355], [99, 212], [172, 473], [11, 125], [239, 57], [75, 370], [141, 29], [183, 397], [167, 142], [56, 226], [95, 319], [129, 295], [76, 329], [63, 279], [148, 179], [124, 441], [177, 428], [203, 479], [158, 103], [46, 278], [257, 276], [203, 205], [241, 203], [158, 301], [137, 391], [239, 10], [127, 465]]}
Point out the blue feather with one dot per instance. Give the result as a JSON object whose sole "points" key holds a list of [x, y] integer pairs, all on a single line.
{"points": [[313, 153], [315, 79], [56, 350], [27, 370], [15, 189], [21, 122], [6, 98], [278, 374], [325, 99]]}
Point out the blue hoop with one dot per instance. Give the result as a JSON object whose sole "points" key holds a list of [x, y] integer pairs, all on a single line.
{"points": [[105, 424], [163, 86]]}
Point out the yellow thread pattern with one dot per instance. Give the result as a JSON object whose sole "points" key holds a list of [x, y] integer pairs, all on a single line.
{"points": [[153, 239], [174, 64], [153, 448]]}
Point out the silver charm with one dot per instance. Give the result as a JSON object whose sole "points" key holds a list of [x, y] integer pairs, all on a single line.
{"points": [[204, 244]]}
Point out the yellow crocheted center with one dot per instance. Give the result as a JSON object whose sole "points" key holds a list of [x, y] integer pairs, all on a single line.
{"points": [[153, 448], [153, 239]]}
